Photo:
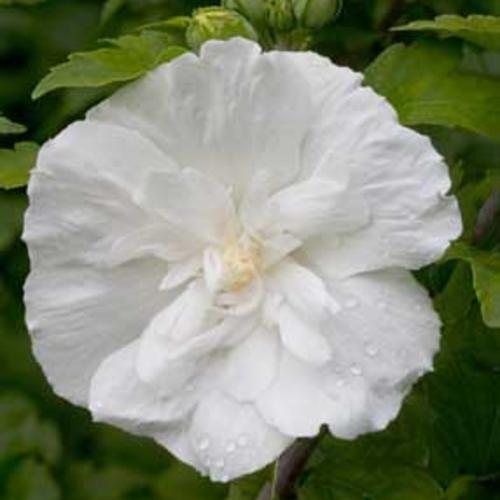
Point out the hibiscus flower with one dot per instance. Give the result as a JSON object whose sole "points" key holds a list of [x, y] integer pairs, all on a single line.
{"points": [[221, 254]]}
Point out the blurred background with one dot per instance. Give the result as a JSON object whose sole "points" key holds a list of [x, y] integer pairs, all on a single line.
{"points": [[49, 449]]}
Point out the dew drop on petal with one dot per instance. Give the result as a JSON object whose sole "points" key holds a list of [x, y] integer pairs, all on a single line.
{"points": [[340, 383], [203, 444], [371, 350], [356, 370], [230, 447], [219, 464]]}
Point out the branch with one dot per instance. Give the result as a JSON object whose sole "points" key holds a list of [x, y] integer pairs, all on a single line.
{"points": [[289, 467]]}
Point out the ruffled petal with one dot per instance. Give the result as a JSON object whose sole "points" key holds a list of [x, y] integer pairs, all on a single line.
{"points": [[231, 439], [382, 340], [219, 114], [396, 171], [296, 403], [77, 316], [119, 397], [251, 366]]}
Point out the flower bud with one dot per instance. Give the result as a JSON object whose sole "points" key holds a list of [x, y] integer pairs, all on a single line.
{"points": [[279, 14], [217, 23], [253, 10], [316, 13]]}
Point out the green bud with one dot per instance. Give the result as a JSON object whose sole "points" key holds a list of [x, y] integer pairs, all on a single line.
{"points": [[253, 10], [316, 13], [279, 14], [217, 23]]}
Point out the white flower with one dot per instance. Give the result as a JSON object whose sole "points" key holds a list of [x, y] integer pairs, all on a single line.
{"points": [[220, 256]]}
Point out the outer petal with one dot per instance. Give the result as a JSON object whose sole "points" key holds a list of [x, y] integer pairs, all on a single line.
{"points": [[397, 172], [228, 112], [78, 314], [383, 339], [231, 439]]}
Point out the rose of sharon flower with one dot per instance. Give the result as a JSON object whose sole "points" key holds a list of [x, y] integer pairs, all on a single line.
{"points": [[220, 256]]}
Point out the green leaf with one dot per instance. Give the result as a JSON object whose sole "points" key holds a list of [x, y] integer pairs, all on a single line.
{"points": [[20, 2], [111, 482], [23, 433], [181, 482], [425, 85], [9, 127], [464, 390], [486, 275], [248, 487], [127, 58], [480, 30], [469, 488], [32, 481], [16, 163], [349, 481], [379, 466], [110, 8], [12, 207]]}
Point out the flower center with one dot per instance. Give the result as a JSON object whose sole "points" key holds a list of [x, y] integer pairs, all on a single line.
{"points": [[241, 264]]}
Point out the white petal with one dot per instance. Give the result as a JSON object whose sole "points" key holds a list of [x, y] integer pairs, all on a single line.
{"points": [[232, 439], [251, 366], [296, 402], [171, 330], [397, 172], [118, 396], [319, 205], [302, 289], [190, 199], [382, 340], [180, 272], [78, 316], [301, 338], [219, 114]]}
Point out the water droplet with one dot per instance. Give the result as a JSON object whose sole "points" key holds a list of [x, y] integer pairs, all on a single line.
{"points": [[356, 370], [242, 440], [340, 383], [381, 304], [203, 444], [418, 307], [371, 350], [230, 447], [351, 303], [224, 478], [220, 464]]}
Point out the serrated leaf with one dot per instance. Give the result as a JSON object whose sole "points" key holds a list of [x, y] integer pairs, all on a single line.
{"points": [[480, 30], [127, 58], [15, 164], [31, 481], [486, 275], [9, 127], [425, 85]]}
